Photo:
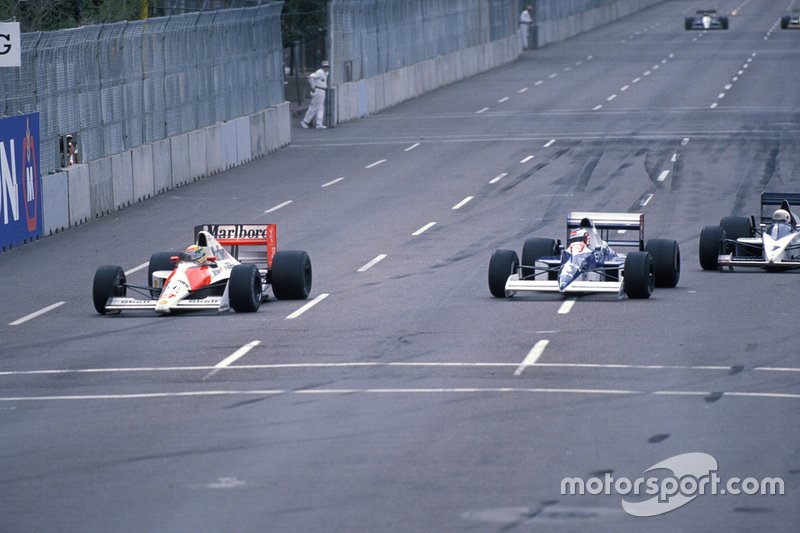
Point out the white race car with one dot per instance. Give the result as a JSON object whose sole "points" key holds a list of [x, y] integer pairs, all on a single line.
{"points": [[774, 244], [706, 19], [209, 276]]}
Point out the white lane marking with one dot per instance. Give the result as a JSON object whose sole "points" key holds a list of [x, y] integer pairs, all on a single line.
{"points": [[713, 106], [754, 54], [498, 177], [671, 56], [749, 59], [423, 229], [533, 356], [597, 107], [646, 200], [524, 89], [411, 147], [539, 82], [655, 67], [463, 202], [341, 392], [663, 175], [735, 78], [745, 65], [308, 306], [549, 143], [35, 314], [674, 157], [553, 75], [622, 231], [566, 307], [740, 73], [685, 141], [332, 182], [611, 97], [232, 358], [721, 95], [376, 163], [635, 80], [579, 63], [136, 269], [646, 72], [624, 88], [589, 58], [728, 87], [567, 69], [273, 209], [526, 159], [503, 99], [663, 61], [372, 263], [479, 111]]}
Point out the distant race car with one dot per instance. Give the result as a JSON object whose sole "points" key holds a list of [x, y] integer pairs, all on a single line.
{"points": [[588, 263], [774, 244], [209, 276], [791, 21], [706, 19]]}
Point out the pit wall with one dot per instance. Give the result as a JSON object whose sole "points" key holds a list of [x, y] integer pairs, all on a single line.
{"points": [[86, 191]]}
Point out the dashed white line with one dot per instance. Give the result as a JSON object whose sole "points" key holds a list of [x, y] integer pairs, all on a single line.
{"points": [[372, 263], [376, 163], [279, 206], [553, 75], [463, 202], [498, 177], [332, 182], [735, 78], [624, 88], [308, 306], [611, 97], [232, 358], [484, 110], [567, 69], [423, 229], [636, 80], [579, 63], [646, 72], [539, 82], [549, 143], [713, 106], [728, 87], [533, 356], [566, 307], [524, 89], [674, 157], [740, 72], [685, 141], [503, 99], [646, 200], [411, 147], [35, 314], [663, 175], [721, 95], [671, 56], [526, 159], [655, 67], [136, 269], [597, 107]]}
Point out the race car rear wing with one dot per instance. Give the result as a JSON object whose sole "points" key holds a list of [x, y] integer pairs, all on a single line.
{"points": [[770, 201], [606, 223], [248, 243]]}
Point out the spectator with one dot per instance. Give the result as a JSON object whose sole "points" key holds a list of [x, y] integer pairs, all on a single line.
{"points": [[319, 85], [525, 19], [72, 152]]}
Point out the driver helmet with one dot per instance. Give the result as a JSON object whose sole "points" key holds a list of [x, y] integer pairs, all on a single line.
{"points": [[781, 215], [196, 253], [579, 235]]}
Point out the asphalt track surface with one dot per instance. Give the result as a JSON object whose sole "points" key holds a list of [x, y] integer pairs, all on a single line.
{"points": [[400, 401]]}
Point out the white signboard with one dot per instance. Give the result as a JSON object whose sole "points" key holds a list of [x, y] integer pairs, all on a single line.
{"points": [[10, 45]]}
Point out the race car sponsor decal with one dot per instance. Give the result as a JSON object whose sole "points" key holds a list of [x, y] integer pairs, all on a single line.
{"points": [[236, 231]]}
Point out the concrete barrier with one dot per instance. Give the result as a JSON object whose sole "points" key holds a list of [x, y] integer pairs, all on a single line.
{"points": [[55, 203], [228, 139], [101, 187], [179, 149], [162, 166], [122, 179], [271, 131], [284, 116], [80, 205], [258, 135], [215, 156], [198, 163], [243, 152], [142, 165]]}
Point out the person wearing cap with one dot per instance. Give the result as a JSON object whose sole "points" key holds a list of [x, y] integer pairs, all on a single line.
{"points": [[319, 85]]}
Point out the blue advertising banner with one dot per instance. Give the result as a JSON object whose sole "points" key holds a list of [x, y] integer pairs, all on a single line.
{"points": [[20, 182]]}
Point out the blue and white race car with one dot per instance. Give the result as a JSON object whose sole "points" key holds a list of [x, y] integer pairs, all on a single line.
{"points": [[706, 19], [791, 21], [588, 263]]}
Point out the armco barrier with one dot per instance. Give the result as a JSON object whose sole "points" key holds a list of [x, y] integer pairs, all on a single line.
{"points": [[198, 166], [162, 166], [142, 165], [243, 152], [101, 187], [228, 139], [122, 179], [179, 150], [55, 202], [80, 207]]}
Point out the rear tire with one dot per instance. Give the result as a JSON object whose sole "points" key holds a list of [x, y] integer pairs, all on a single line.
{"points": [[712, 245], [724, 22], [785, 22], [159, 261], [502, 264], [734, 228], [291, 275], [244, 288], [666, 260], [534, 249], [687, 23], [639, 275], [109, 282]]}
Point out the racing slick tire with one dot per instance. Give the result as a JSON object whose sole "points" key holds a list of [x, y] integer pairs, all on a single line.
{"points": [[159, 261], [639, 275], [535, 248], [666, 260], [723, 21], [687, 23], [712, 245], [785, 22], [291, 275], [244, 288], [502, 264], [109, 281], [734, 228]]}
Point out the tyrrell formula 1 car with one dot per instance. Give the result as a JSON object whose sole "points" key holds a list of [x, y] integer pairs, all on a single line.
{"points": [[209, 276], [791, 21], [774, 244], [588, 263], [706, 19]]}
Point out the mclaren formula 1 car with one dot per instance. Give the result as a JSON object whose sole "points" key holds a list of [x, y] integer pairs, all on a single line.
{"points": [[791, 21], [210, 276], [773, 244], [706, 19], [588, 263]]}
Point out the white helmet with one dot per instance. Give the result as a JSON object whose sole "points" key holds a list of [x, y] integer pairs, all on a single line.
{"points": [[781, 215]]}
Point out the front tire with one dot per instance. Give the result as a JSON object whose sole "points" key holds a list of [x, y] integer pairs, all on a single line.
{"points": [[502, 264], [291, 275], [244, 288], [533, 250], [785, 22], [712, 245], [687, 23], [724, 22], [639, 275], [109, 282], [666, 260]]}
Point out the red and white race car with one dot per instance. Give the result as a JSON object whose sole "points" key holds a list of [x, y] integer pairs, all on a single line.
{"points": [[210, 276]]}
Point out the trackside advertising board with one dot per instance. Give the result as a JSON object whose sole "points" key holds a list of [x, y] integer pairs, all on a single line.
{"points": [[20, 183]]}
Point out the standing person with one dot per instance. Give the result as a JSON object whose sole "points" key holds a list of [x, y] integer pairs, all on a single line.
{"points": [[319, 85], [525, 19]]}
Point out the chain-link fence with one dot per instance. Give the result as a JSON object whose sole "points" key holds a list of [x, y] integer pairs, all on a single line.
{"points": [[371, 37], [117, 86]]}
